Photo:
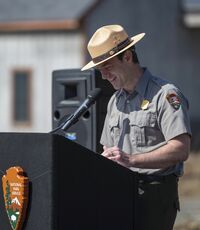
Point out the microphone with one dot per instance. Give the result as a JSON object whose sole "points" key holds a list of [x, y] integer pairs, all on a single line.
{"points": [[91, 98]]}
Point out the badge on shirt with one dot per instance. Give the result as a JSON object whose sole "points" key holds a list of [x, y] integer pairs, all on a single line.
{"points": [[145, 104], [174, 100]]}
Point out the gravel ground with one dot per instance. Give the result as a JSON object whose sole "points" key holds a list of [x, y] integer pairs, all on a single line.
{"points": [[189, 216]]}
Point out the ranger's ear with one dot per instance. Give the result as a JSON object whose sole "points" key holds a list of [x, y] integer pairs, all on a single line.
{"points": [[128, 56]]}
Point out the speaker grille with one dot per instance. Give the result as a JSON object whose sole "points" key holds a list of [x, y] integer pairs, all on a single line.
{"points": [[70, 87]]}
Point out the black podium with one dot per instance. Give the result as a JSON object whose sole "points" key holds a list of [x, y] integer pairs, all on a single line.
{"points": [[71, 187]]}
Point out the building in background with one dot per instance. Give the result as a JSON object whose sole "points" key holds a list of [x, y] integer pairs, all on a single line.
{"points": [[39, 37], [36, 37]]}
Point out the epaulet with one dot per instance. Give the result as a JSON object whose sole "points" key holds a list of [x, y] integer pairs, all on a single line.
{"points": [[164, 85]]}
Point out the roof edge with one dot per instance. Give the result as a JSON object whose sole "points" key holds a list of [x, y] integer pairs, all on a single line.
{"points": [[51, 25]]}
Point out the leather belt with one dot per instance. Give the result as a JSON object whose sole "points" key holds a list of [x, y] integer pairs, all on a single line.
{"points": [[152, 179]]}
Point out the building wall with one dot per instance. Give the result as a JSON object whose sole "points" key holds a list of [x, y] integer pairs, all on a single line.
{"points": [[41, 53], [169, 49]]}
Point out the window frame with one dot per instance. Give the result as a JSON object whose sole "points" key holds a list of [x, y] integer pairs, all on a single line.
{"points": [[28, 122]]}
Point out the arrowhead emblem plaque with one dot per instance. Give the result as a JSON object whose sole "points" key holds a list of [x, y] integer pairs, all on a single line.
{"points": [[15, 189]]}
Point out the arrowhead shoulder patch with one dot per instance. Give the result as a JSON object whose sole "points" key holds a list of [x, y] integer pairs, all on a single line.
{"points": [[174, 100]]}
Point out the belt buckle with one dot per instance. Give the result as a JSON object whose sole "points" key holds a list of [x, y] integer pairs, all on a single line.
{"points": [[155, 182], [150, 179]]}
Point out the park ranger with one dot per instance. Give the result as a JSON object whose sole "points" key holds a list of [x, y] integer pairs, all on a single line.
{"points": [[147, 126]]}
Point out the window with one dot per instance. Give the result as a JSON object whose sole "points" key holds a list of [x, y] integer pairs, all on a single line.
{"points": [[21, 96], [191, 13]]}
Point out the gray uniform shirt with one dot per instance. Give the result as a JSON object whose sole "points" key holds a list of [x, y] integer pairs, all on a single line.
{"points": [[146, 119]]}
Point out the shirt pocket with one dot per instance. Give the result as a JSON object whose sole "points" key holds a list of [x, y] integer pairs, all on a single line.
{"points": [[143, 129], [114, 129]]}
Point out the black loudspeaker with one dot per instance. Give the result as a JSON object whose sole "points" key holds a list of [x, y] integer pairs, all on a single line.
{"points": [[70, 89]]}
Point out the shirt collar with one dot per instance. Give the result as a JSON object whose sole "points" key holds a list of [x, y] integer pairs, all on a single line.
{"points": [[141, 86]]}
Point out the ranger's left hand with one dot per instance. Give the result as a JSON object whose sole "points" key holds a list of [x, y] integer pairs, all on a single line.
{"points": [[117, 155]]}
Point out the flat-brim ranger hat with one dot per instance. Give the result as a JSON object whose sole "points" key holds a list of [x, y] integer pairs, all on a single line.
{"points": [[107, 42]]}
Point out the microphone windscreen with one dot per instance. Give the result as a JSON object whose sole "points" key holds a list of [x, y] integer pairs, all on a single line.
{"points": [[94, 94]]}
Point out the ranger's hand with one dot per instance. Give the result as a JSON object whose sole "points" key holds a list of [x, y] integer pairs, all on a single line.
{"points": [[115, 154]]}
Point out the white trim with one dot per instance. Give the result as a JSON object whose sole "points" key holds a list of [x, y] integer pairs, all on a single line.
{"points": [[192, 20]]}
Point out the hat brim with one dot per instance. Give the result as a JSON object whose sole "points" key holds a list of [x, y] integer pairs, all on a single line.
{"points": [[134, 40]]}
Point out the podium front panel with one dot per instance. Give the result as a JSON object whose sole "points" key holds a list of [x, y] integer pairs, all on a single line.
{"points": [[71, 187]]}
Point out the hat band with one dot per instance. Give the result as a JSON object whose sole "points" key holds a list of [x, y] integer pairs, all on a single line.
{"points": [[111, 52]]}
